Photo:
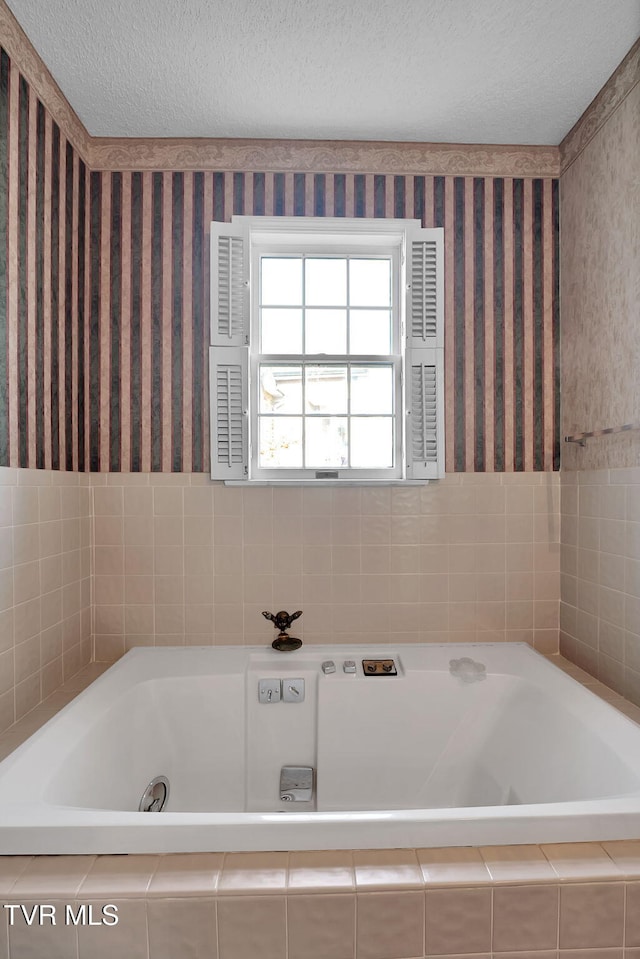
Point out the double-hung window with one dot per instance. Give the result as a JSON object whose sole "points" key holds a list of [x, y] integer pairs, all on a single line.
{"points": [[326, 351]]}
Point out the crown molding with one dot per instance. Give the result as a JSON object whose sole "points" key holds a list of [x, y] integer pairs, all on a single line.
{"points": [[602, 107], [324, 156], [29, 62]]}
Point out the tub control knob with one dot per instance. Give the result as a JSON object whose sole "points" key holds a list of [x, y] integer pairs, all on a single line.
{"points": [[349, 666], [328, 666]]}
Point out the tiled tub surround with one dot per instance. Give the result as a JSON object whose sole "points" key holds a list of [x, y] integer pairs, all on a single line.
{"points": [[567, 901], [600, 563], [178, 559], [45, 595]]}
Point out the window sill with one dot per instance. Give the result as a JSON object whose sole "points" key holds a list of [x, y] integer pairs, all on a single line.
{"points": [[311, 483]]}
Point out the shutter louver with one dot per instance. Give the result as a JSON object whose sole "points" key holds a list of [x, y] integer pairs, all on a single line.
{"points": [[425, 399], [425, 296], [229, 285], [424, 439], [228, 383], [424, 291]]}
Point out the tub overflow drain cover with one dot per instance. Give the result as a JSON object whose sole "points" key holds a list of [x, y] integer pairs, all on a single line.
{"points": [[155, 796]]}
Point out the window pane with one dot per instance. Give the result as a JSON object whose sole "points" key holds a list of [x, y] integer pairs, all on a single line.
{"points": [[326, 442], [372, 389], [281, 281], [326, 389], [280, 389], [370, 282], [370, 331], [326, 331], [281, 442], [325, 282], [372, 442], [281, 331]]}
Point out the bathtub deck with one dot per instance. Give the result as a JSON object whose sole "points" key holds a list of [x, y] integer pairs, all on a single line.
{"points": [[556, 897]]}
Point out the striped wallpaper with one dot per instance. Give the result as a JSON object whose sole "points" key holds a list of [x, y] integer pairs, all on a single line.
{"points": [[106, 292], [42, 268]]}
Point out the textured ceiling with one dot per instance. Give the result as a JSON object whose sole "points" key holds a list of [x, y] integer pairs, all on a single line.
{"points": [[457, 71]]}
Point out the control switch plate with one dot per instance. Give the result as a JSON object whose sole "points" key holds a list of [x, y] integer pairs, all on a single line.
{"points": [[293, 690], [269, 690], [296, 783]]}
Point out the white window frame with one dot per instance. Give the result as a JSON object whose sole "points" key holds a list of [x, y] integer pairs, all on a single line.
{"points": [[417, 359]]}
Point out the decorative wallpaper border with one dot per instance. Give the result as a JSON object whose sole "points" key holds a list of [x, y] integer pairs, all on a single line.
{"points": [[324, 156], [616, 89], [27, 59]]}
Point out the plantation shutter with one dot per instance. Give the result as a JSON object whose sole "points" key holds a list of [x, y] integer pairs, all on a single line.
{"points": [[229, 285], [424, 356], [229, 351]]}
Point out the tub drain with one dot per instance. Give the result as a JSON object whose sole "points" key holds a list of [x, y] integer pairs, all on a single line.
{"points": [[155, 796]]}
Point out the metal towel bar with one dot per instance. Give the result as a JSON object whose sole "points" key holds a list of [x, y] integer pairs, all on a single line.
{"points": [[581, 438]]}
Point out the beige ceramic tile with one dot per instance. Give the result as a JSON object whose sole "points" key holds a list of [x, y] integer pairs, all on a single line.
{"points": [[461, 865], [632, 923], [538, 954], [516, 863], [127, 938], [390, 925], [626, 855], [253, 873], [580, 860], [119, 876], [188, 874], [107, 501], [252, 926], [591, 915], [40, 930], [321, 927], [458, 921], [11, 868], [525, 917], [387, 868], [51, 876], [594, 954], [182, 927], [322, 871]]}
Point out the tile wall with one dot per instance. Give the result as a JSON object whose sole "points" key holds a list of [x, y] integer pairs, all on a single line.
{"points": [[178, 559], [553, 901], [600, 575], [45, 591]]}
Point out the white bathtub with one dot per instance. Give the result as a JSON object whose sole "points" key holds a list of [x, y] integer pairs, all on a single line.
{"points": [[526, 755]]}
